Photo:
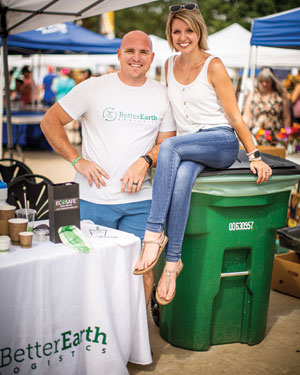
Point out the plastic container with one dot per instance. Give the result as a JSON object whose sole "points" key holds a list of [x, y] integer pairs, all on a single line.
{"points": [[222, 295], [3, 193], [289, 238]]}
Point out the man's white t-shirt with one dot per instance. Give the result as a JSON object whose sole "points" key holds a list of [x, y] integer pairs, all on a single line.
{"points": [[120, 123]]}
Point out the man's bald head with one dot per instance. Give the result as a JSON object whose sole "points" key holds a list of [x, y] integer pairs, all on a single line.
{"points": [[134, 35]]}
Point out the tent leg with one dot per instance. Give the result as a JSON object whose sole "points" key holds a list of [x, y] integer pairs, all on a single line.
{"points": [[3, 33], [7, 97], [244, 82]]}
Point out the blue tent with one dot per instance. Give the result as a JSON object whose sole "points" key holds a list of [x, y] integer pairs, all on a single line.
{"points": [[278, 30], [61, 38]]}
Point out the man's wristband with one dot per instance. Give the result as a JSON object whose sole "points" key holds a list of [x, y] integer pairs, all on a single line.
{"points": [[148, 160], [76, 160]]}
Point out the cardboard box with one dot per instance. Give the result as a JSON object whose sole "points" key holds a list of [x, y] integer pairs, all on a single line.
{"points": [[272, 150], [286, 273], [64, 207]]}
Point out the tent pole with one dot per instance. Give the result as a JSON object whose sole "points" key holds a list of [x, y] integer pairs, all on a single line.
{"points": [[1, 102], [3, 33], [244, 81]]}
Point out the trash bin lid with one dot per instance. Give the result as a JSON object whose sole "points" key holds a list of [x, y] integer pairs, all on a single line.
{"points": [[241, 166], [239, 181]]}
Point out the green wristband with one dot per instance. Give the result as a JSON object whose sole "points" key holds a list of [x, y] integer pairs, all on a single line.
{"points": [[76, 160]]}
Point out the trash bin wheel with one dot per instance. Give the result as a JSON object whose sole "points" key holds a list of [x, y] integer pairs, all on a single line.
{"points": [[154, 307]]}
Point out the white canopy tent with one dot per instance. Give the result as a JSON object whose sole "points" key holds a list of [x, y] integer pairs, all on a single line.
{"points": [[23, 15], [232, 46]]}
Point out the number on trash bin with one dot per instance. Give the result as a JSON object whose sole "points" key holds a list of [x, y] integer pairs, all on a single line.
{"points": [[241, 225]]}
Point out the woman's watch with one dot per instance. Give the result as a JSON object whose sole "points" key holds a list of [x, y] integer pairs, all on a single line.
{"points": [[148, 160], [255, 156]]}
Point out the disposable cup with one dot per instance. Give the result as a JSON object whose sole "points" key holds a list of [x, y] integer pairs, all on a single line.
{"points": [[16, 226], [29, 214], [6, 212], [4, 244], [41, 235], [26, 239]]}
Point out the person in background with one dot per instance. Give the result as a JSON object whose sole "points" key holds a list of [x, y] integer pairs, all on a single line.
{"points": [[62, 84], [86, 74], [49, 94], [207, 119], [16, 94], [125, 117], [28, 91], [295, 99], [267, 107]]}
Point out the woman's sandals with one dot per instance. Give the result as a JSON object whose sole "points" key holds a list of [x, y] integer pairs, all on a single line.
{"points": [[161, 243], [163, 301]]}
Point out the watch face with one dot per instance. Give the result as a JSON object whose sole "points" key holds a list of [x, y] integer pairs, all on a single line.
{"points": [[256, 154]]}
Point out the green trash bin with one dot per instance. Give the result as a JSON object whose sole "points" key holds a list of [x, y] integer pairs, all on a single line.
{"points": [[222, 295]]}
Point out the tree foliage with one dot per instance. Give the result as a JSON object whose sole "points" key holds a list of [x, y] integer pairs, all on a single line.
{"points": [[218, 14]]}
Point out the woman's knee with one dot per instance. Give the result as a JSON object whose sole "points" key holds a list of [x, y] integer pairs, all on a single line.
{"points": [[166, 147]]}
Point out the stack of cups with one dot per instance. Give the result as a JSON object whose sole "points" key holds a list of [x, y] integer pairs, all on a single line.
{"points": [[6, 212], [21, 228], [16, 226]]}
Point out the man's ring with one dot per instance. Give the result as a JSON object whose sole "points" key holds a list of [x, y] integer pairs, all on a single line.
{"points": [[135, 183], [268, 172]]}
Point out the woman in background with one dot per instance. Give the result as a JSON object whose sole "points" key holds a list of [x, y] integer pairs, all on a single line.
{"points": [[295, 99], [267, 107]]}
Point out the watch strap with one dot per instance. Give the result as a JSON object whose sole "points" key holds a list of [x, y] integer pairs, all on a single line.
{"points": [[148, 160]]}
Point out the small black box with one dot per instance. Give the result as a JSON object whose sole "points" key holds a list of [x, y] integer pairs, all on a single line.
{"points": [[64, 207]]}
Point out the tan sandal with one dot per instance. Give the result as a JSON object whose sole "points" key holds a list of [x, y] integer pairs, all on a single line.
{"points": [[162, 244], [163, 301]]}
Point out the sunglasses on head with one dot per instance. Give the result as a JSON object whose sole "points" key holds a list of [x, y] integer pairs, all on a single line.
{"points": [[177, 8]]}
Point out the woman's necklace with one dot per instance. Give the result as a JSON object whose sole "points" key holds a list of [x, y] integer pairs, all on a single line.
{"points": [[188, 73]]}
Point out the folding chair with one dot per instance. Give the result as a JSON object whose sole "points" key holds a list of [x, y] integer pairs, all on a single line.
{"points": [[30, 191]]}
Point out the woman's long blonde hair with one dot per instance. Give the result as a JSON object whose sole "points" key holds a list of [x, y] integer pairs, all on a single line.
{"points": [[195, 20], [267, 75]]}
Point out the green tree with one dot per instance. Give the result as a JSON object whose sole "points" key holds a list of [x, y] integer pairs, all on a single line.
{"points": [[218, 14]]}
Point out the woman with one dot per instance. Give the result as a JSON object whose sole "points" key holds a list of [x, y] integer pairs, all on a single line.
{"points": [[295, 99], [267, 107], [206, 115], [62, 84]]}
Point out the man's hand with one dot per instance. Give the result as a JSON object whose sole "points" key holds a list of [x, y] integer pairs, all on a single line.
{"points": [[92, 172], [134, 176]]}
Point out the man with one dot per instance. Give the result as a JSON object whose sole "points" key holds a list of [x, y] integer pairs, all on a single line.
{"points": [[49, 95], [125, 116]]}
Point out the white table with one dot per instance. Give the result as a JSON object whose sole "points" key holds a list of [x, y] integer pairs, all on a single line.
{"points": [[69, 313]]}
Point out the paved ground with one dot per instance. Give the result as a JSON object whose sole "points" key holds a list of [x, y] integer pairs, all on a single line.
{"points": [[278, 353]]}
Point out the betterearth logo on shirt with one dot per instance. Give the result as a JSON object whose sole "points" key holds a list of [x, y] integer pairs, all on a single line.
{"points": [[111, 114]]}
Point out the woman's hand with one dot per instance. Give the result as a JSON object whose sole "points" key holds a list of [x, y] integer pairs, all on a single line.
{"points": [[261, 169]]}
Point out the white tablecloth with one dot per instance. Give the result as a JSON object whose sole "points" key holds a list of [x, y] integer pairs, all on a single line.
{"points": [[69, 313]]}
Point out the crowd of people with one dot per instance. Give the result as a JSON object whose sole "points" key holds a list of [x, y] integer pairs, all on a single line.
{"points": [[57, 82]]}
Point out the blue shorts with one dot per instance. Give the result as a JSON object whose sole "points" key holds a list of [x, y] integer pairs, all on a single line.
{"points": [[128, 217]]}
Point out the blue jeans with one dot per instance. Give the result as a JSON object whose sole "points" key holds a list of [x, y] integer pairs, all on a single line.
{"points": [[128, 217], [180, 160]]}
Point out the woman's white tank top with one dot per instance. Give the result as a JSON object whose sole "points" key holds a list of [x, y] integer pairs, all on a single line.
{"points": [[195, 105]]}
